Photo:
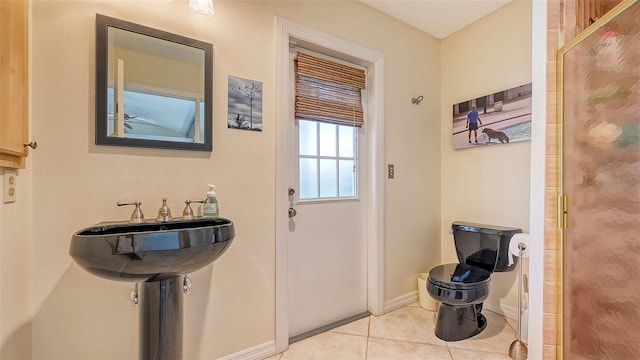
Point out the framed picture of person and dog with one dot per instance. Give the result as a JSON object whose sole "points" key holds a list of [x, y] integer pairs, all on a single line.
{"points": [[500, 118]]}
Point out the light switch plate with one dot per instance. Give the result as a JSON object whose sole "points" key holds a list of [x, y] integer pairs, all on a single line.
{"points": [[10, 182]]}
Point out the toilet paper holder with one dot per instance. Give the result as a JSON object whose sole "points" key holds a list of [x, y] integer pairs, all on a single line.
{"points": [[514, 248]]}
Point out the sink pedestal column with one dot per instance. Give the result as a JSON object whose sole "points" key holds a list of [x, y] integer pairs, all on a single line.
{"points": [[161, 320]]}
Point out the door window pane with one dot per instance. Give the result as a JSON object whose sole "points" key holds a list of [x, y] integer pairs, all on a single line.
{"points": [[327, 139], [327, 160], [308, 138], [328, 177], [347, 179], [346, 142], [308, 178]]}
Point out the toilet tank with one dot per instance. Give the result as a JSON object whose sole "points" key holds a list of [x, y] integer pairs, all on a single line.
{"points": [[484, 246]]}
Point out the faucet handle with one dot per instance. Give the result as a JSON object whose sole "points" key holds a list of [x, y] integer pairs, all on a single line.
{"points": [[164, 213], [137, 217], [187, 213]]}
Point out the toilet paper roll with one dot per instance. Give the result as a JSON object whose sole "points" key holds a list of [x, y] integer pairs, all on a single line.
{"points": [[513, 246]]}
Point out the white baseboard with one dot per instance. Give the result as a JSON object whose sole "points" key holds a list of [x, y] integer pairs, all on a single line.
{"points": [[412, 297], [257, 352], [504, 310], [511, 313], [401, 301]]}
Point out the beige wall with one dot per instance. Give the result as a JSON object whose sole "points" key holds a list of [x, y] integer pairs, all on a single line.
{"points": [[15, 269], [76, 184], [488, 185], [146, 69]]}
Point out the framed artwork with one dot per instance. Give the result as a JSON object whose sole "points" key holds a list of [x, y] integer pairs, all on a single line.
{"points": [[500, 118], [245, 104]]}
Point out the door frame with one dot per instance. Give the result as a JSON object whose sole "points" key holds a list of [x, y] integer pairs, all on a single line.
{"points": [[286, 32]]}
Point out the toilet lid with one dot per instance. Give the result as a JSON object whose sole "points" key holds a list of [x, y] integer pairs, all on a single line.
{"points": [[459, 276]]}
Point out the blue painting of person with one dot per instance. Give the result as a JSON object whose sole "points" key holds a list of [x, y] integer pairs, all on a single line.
{"points": [[473, 118]]}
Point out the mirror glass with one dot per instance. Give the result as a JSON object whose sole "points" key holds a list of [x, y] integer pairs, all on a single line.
{"points": [[153, 88]]}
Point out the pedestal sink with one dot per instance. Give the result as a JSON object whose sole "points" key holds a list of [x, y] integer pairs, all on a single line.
{"points": [[154, 254]]}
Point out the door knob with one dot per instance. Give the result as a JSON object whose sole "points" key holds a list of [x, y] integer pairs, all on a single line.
{"points": [[292, 212], [291, 191]]}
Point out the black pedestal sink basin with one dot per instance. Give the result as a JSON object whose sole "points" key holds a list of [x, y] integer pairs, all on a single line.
{"points": [[154, 254], [150, 251]]}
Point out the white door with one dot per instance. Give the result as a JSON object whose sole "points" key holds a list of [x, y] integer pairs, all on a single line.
{"points": [[327, 243]]}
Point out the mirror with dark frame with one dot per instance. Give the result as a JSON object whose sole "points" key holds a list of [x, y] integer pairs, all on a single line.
{"points": [[153, 88]]}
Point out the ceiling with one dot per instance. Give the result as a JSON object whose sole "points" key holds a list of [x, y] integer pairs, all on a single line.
{"points": [[439, 18]]}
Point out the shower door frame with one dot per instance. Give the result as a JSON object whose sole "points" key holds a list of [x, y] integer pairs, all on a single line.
{"points": [[562, 219]]}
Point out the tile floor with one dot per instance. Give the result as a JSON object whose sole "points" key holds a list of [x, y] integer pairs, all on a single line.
{"points": [[404, 334]]}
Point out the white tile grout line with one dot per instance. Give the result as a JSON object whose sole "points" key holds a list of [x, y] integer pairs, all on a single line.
{"points": [[366, 349], [449, 350]]}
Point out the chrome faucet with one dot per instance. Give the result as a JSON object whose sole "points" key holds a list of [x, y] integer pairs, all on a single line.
{"points": [[164, 213], [137, 217]]}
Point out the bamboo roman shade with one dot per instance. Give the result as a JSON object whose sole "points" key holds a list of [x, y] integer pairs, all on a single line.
{"points": [[328, 91]]}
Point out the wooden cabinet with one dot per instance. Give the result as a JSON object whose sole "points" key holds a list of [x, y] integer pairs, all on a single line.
{"points": [[14, 81]]}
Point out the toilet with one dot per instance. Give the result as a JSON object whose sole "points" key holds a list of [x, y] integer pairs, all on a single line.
{"points": [[461, 288]]}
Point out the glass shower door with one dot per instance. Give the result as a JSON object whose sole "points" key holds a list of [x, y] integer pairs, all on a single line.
{"points": [[600, 76]]}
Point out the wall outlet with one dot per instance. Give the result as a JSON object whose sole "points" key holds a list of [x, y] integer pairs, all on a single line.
{"points": [[10, 180]]}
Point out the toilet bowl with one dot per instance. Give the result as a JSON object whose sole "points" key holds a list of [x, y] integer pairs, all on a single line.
{"points": [[461, 288]]}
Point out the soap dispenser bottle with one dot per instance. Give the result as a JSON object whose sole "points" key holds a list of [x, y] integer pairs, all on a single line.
{"points": [[211, 203]]}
